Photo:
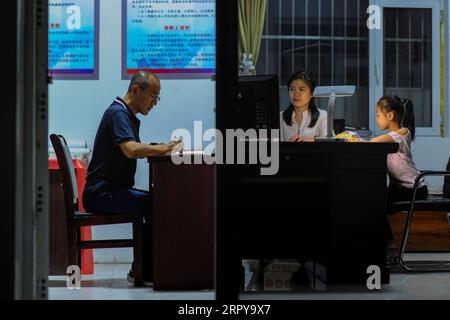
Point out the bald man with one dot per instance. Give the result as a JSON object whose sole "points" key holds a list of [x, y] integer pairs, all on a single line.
{"points": [[110, 176]]}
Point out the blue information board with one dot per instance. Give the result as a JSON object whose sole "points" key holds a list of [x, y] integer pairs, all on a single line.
{"points": [[173, 38], [73, 39]]}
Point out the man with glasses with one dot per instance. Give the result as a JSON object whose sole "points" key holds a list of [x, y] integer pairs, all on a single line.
{"points": [[110, 175]]}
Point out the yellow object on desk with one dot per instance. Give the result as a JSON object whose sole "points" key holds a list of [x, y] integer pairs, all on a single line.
{"points": [[350, 136]]}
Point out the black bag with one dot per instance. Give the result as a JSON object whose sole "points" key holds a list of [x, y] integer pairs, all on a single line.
{"points": [[446, 188]]}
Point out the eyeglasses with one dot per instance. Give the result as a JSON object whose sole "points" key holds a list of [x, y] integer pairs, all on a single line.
{"points": [[154, 96]]}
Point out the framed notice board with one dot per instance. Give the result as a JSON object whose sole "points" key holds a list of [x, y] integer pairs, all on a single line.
{"points": [[73, 39], [172, 38]]}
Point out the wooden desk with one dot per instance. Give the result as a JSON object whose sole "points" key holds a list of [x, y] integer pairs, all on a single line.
{"points": [[327, 203], [183, 225]]}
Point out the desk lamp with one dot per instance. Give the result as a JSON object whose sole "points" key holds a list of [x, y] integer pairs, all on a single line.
{"points": [[332, 93]]}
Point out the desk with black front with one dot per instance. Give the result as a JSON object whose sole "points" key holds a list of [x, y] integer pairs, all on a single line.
{"points": [[327, 203]]}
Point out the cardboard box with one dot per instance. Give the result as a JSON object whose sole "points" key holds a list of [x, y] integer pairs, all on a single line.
{"points": [[283, 266], [277, 281], [277, 274]]}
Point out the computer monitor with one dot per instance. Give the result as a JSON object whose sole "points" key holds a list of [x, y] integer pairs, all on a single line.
{"points": [[258, 105]]}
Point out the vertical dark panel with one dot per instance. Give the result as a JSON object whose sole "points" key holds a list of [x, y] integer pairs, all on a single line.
{"points": [[274, 54], [390, 64], [300, 18], [339, 18], [313, 18], [325, 18], [299, 55], [427, 23], [261, 63], [390, 48], [325, 63], [416, 65], [41, 136], [8, 133], [362, 93], [352, 18], [403, 65], [390, 26], [416, 23], [286, 60], [286, 17], [338, 66], [273, 17], [226, 96], [313, 57], [427, 48], [352, 62], [427, 69], [363, 64], [403, 23]]}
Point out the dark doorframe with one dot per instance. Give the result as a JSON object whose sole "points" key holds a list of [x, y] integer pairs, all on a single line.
{"points": [[226, 95], [8, 133], [24, 227]]}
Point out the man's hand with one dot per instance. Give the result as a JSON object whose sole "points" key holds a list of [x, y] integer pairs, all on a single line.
{"points": [[136, 150], [174, 146], [297, 138]]}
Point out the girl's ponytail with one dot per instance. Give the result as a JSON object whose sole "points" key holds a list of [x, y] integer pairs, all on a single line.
{"points": [[408, 117]]}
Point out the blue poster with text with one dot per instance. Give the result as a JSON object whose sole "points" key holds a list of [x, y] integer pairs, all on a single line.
{"points": [[171, 36], [72, 39]]}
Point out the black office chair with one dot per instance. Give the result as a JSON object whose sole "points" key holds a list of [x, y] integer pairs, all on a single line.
{"points": [[434, 203]]}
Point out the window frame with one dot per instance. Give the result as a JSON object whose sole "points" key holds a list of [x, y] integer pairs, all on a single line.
{"points": [[376, 63]]}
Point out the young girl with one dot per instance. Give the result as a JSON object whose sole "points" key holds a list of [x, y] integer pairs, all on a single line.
{"points": [[397, 116]]}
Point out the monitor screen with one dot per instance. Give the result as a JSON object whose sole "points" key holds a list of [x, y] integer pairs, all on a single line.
{"points": [[258, 104]]}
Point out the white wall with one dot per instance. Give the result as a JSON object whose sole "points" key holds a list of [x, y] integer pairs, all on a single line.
{"points": [[432, 153], [76, 108]]}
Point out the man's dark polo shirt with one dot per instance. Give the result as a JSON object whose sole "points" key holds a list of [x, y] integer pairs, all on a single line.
{"points": [[110, 168]]}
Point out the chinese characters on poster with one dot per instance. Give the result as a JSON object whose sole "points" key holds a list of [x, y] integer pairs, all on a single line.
{"points": [[73, 39], [170, 37]]}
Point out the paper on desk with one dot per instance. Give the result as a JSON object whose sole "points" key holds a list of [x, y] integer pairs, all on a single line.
{"points": [[179, 147], [200, 152], [190, 152]]}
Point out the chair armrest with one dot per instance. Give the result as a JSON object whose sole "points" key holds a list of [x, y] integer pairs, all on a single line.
{"points": [[432, 173], [429, 173]]}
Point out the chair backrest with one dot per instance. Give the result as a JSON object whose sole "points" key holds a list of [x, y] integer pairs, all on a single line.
{"points": [[68, 172]]}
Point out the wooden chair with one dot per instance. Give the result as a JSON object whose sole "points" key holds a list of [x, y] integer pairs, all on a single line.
{"points": [[76, 219]]}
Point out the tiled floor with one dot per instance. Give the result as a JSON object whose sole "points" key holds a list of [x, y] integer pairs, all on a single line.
{"points": [[109, 283]]}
